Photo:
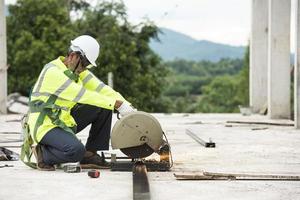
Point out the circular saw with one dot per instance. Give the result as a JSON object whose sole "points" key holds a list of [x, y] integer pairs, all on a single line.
{"points": [[137, 135]]}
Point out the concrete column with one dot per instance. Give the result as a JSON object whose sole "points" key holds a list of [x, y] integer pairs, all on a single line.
{"points": [[279, 59], [297, 67], [259, 55], [110, 78], [3, 66]]}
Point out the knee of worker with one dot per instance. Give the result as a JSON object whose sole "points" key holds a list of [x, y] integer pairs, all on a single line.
{"points": [[75, 152]]}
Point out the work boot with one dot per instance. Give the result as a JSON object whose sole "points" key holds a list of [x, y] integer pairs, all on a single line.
{"points": [[94, 161], [37, 151]]}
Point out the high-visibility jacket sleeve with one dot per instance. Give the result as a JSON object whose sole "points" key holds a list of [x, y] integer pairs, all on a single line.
{"points": [[91, 82], [57, 82]]}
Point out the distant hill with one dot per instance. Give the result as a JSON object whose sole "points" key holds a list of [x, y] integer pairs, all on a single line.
{"points": [[175, 45]]}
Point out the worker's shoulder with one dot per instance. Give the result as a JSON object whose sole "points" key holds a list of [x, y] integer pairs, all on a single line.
{"points": [[87, 74], [53, 70], [52, 67], [56, 64]]}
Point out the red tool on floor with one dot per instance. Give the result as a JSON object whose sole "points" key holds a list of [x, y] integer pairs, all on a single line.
{"points": [[93, 173]]}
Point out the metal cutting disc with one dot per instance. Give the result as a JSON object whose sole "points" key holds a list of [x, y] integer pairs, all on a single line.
{"points": [[141, 151], [137, 135]]}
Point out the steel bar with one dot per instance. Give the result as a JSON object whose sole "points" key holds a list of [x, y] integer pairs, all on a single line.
{"points": [[14, 120], [10, 141], [240, 177], [2, 166], [141, 189], [15, 133], [263, 123], [199, 140], [10, 146], [262, 176]]}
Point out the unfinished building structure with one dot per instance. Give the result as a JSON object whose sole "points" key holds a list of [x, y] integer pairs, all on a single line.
{"points": [[3, 66], [271, 68]]}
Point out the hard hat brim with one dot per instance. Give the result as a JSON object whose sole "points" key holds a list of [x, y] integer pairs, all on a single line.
{"points": [[93, 63]]}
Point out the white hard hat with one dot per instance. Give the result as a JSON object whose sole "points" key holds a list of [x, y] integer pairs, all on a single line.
{"points": [[88, 46]]}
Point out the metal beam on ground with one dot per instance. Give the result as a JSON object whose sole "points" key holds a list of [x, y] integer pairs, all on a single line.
{"points": [[199, 140], [141, 189], [231, 176]]}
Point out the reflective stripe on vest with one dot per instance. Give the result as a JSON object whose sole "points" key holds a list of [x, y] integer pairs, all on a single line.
{"points": [[41, 79], [63, 87], [86, 79], [100, 86], [79, 95], [46, 94]]}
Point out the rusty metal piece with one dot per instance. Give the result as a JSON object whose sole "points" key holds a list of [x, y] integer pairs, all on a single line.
{"points": [[94, 173], [141, 189]]}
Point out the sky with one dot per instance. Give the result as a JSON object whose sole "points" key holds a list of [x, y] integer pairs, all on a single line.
{"points": [[220, 21]]}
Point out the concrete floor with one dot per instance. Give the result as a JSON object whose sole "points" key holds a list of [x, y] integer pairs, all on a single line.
{"points": [[240, 149]]}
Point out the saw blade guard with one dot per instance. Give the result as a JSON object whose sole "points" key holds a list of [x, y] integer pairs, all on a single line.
{"points": [[136, 129]]}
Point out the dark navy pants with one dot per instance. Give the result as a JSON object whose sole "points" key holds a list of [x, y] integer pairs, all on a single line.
{"points": [[59, 146]]}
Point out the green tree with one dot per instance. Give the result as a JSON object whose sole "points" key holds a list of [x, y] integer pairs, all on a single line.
{"points": [[41, 30], [226, 93], [138, 72], [220, 95], [38, 31], [243, 83]]}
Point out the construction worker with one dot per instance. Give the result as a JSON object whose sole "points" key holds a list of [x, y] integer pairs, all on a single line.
{"points": [[66, 98]]}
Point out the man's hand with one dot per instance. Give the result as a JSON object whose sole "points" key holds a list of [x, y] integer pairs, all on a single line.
{"points": [[125, 108], [118, 104]]}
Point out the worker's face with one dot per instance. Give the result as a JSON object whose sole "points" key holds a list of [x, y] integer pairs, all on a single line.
{"points": [[74, 61]]}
